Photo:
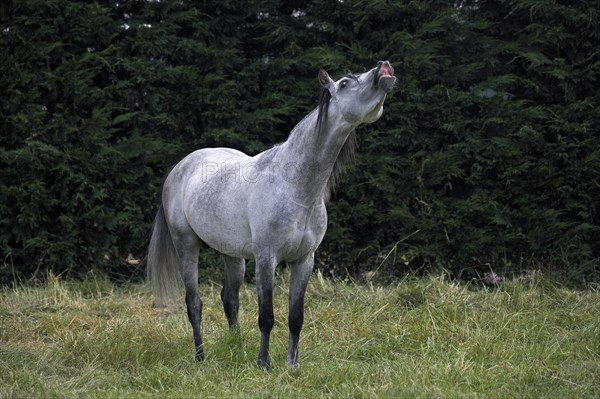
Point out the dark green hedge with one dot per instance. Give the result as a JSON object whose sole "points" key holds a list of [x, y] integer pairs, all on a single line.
{"points": [[488, 153]]}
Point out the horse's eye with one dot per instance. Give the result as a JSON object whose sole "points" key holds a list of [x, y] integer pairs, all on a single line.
{"points": [[343, 84]]}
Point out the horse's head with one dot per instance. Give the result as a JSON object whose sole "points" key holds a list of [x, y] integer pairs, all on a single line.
{"points": [[359, 98]]}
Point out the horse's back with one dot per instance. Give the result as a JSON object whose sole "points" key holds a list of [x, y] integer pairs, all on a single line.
{"points": [[217, 155]]}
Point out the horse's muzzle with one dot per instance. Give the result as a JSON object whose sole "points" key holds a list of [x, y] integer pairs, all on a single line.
{"points": [[384, 76]]}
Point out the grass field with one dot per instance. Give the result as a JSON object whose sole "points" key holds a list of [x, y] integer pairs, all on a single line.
{"points": [[422, 338]]}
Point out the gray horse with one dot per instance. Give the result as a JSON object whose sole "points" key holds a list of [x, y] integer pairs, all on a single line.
{"points": [[269, 207]]}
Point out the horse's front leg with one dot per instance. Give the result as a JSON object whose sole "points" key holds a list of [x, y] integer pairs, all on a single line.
{"points": [[265, 281], [300, 274]]}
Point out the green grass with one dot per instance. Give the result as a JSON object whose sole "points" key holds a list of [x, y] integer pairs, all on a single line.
{"points": [[425, 338]]}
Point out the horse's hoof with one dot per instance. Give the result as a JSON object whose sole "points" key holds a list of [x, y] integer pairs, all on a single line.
{"points": [[294, 365], [264, 364]]}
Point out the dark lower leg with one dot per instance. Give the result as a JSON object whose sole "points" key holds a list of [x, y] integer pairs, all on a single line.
{"points": [[194, 311], [266, 320], [231, 303], [295, 322], [300, 274], [230, 294]]}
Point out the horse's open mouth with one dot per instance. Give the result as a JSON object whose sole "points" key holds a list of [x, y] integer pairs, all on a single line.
{"points": [[385, 69], [385, 76]]}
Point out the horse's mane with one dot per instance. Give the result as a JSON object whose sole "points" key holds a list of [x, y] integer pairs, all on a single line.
{"points": [[348, 149], [324, 100]]}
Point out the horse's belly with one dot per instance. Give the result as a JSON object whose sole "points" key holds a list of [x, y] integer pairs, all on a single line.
{"points": [[226, 237], [223, 227]]}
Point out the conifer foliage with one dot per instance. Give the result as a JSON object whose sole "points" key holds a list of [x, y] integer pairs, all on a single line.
{"points": [[488, 153]]}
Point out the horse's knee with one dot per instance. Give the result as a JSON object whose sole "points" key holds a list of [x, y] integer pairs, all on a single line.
{"points": [[296, 315], [295, 322], [266, 321]]}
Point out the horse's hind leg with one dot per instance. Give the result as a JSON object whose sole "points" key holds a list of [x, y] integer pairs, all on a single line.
{"points": [[300, 274], [230, 294], [188, 249]]}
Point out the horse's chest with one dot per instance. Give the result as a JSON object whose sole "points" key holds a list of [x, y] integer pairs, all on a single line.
{"points": [[299, 229]]}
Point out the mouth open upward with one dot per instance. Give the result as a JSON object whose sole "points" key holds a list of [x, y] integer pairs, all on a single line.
{"points": [[385, 78]]}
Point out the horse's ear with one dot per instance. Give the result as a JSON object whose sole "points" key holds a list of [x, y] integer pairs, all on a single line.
{"points": [[324, 78]]}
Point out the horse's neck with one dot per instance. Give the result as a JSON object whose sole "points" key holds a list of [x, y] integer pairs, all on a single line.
{"points": [[308, 156]]}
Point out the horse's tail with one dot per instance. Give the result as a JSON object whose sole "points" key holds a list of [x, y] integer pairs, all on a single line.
{"points": [[162, 269]]}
